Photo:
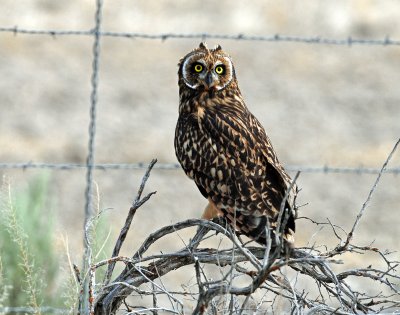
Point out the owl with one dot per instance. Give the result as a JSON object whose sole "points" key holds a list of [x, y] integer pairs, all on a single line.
{"points": [[222, 146]]}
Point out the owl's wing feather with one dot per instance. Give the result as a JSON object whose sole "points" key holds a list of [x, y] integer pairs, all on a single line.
{"points": [[244, 156]]}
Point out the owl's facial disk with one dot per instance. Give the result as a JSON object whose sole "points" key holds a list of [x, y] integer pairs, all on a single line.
{"points": [[207, 70]]}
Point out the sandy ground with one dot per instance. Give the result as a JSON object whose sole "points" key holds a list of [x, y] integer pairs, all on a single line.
{"points": [[320, 104]]}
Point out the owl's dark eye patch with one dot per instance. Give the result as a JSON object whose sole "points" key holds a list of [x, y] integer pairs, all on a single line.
{"points": [[220, 69], [197, 67]]}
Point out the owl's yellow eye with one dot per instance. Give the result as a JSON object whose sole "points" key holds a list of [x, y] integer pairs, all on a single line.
{"points": [[220, 69], [198, 67]]}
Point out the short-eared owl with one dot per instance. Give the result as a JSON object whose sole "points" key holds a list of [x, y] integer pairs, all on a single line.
{"points": [[225, 150]]}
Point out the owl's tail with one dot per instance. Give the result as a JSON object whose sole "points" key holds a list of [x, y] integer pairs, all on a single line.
{"points": [[264, 229], [258, 232], [257, 227]]}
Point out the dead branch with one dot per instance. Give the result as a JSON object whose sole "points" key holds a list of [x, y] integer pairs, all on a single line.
{"points": [[364, 206], [264, 269], [313, 265], [124, 231]]}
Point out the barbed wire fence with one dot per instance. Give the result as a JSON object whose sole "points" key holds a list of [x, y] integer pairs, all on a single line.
{"points": [[87, 298], [349, 41], [174, 166]]}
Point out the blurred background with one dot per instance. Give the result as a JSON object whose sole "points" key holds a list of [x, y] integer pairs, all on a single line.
{"points": [[334, 105]]}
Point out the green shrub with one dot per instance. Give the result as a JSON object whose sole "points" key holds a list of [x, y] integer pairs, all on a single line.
{"points": [[28, 256], [29, 262]]}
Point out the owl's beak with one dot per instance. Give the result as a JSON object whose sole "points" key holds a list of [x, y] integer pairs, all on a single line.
{"points": [[210, 80]]}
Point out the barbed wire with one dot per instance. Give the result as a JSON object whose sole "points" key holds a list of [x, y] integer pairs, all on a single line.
{"points": [[94, 81], [348, 41], [326, 169]]}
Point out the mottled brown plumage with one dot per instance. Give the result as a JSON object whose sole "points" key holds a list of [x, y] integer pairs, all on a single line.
{"points": [[225, 150]]}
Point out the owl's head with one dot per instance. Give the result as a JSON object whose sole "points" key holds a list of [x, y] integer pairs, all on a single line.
{"points": [[206, 69]]}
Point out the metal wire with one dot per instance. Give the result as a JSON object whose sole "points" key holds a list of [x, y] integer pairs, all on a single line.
{"points": [[87, 258], [349, 41], [174, 166]]}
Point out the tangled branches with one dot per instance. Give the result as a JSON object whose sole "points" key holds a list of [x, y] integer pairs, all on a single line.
{"points": [[250, 279]]}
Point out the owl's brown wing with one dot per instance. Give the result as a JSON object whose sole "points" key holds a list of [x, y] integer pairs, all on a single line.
{"points": [[242, 174], [271, 157]]}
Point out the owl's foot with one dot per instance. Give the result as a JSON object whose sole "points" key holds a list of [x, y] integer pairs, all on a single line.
{"points": [[211, 211]]}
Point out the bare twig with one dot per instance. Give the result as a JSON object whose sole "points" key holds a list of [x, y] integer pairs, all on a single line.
{"points": [[342, 247], [154, 294], [137, 203], [77, 274], [364, 206]]}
